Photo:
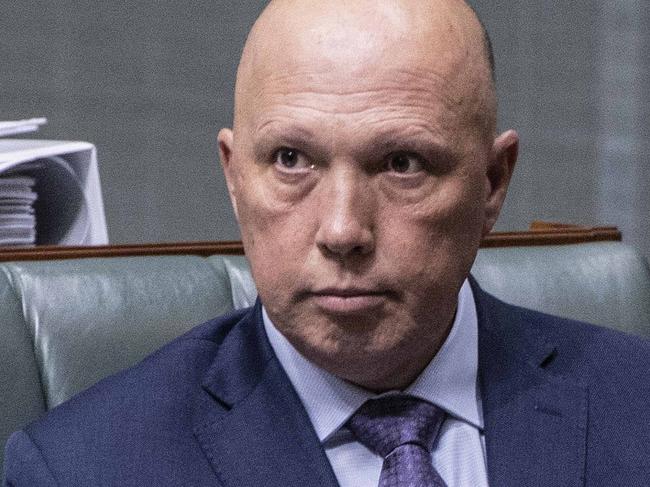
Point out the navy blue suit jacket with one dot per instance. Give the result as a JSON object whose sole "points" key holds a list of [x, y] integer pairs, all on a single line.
{"points": [[565, 404]]}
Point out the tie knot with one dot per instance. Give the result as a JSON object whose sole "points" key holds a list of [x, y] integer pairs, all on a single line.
{"points": [[388, 422]]}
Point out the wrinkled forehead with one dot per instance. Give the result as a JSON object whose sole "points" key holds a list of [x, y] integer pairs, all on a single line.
{"points": [[331, 49]]}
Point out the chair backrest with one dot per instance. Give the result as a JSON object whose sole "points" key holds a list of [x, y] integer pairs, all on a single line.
{"points": [[68, 323], [606, 283]]}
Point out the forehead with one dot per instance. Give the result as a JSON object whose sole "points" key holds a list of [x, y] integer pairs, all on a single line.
{"points": [[335, 98], [360, 64], [384, 99]]}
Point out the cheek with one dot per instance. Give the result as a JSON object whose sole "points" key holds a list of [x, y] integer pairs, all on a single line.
{"points": [[276, 236], [263, 212], [436, 238], [266, 201], [447, 208]]}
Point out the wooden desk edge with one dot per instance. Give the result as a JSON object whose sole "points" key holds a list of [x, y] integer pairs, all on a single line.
{"points": [[545, 235]]}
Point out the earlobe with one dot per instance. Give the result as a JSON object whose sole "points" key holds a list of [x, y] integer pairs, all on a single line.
{"points": [[225, 139], [503, 157]]}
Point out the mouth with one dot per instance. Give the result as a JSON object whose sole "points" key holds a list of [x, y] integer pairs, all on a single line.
{"points": [[347, 301]]}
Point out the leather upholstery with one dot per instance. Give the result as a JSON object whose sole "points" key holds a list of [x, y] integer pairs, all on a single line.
{"points": [[89, 318], [21, 397], [606, 283], [242, 287], [67, 324]]}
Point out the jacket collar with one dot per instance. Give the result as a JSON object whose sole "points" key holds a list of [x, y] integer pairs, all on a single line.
{"points": [[249, 420], [535, 421]]}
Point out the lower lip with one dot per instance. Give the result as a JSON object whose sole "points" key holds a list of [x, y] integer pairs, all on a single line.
{"points": [[348, 304]]}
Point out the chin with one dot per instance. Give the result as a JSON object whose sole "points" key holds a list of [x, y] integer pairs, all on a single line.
{"points": [[352, 351]]}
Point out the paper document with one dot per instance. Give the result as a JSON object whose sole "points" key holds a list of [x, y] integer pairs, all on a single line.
{"points": [[50, 194], [14, 127], [17, 219]]}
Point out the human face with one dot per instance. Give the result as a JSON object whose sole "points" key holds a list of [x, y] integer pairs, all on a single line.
{"points": [[362, 193]]}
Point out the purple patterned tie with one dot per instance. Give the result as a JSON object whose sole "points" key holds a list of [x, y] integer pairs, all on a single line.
{"points": [[402, 429]]}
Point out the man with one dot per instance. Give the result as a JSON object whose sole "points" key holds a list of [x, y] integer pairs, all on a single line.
{"points": [[364, 169]]}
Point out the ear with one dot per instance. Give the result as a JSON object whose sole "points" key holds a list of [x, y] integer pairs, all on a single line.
{"points": [[501, 164], [225, 139]]}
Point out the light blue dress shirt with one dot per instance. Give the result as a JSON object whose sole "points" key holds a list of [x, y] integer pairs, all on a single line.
{"points": [[449, 381]]}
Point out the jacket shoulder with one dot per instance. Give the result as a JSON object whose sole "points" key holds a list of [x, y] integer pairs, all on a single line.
{"points": [[130, 419], [611, 364]]}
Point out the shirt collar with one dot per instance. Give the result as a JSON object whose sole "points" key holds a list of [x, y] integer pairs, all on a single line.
{"points": [[448, 381]]}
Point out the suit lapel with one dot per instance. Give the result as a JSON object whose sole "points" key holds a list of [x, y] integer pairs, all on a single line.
{"points": [[535, 421], [250, 421]]}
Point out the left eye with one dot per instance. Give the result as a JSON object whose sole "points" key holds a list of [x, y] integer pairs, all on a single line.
{"points": [[404, 163], [287, 158]]}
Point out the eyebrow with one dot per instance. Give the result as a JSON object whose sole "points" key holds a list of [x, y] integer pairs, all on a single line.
{"points": [[273, 134], [393, 142], [420, 141], [278, 127]]}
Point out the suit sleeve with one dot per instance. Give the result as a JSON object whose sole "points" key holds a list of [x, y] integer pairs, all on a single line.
{"points": [[24, 464]]}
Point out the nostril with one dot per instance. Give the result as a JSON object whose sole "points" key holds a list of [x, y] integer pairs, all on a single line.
{"points": [[358, 249], [342, 249]]}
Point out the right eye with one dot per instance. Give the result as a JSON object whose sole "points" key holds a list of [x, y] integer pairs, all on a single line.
{"points": [[404, 163], [288, 159]]}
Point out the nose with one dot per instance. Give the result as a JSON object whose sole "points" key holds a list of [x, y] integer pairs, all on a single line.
{"points": [[346, 216]]}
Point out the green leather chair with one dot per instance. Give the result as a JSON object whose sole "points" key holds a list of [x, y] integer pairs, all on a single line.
{"points": [[68, 323]]}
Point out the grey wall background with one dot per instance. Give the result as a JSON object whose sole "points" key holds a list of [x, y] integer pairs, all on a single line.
{"points": [[150, 82], [573, 78]]}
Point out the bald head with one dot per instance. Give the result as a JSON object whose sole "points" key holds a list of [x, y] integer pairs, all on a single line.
{"points": [[443, 39]]}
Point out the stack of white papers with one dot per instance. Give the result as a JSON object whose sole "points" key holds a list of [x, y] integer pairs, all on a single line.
{"points": [[17, 219], [68, 207]]}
